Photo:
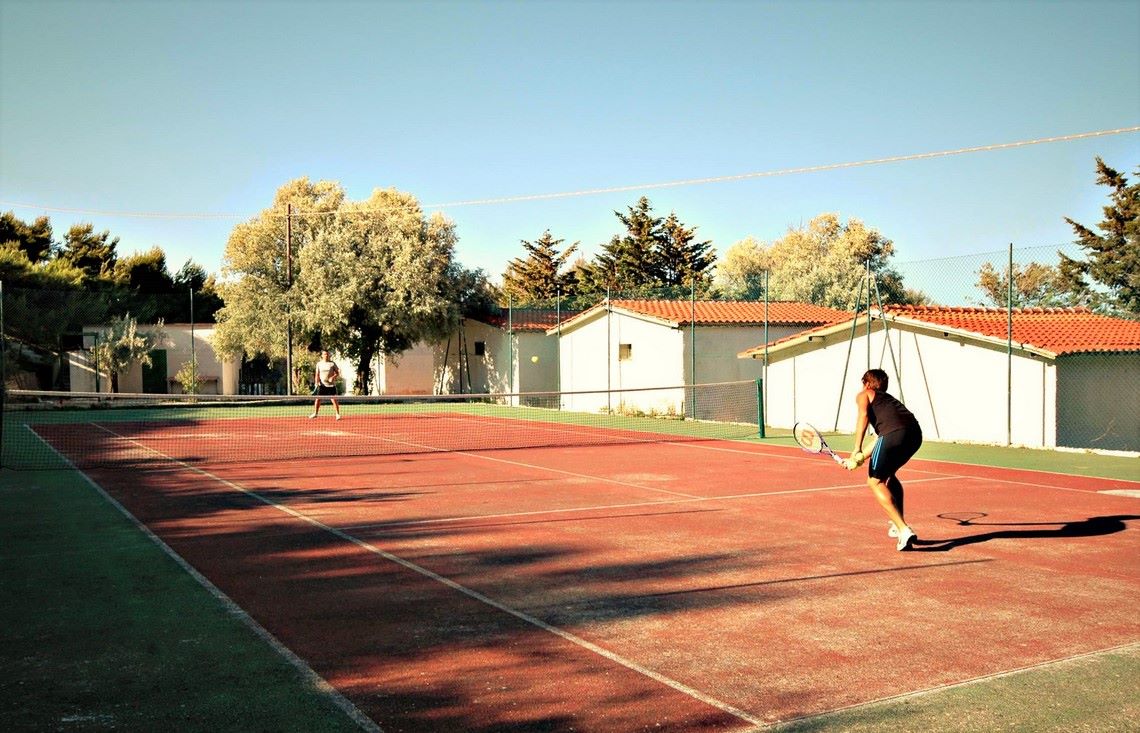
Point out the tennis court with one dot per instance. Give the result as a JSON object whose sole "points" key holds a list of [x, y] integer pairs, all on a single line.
{"points": [[483, 569]]}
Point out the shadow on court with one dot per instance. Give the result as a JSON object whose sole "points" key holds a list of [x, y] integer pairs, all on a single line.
{"points": [[1091, 527]]}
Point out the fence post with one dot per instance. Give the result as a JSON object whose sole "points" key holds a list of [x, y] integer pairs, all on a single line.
{"points": [[693, 347], [558, 343], [760, 405], [1009, 351], [764, 371]]}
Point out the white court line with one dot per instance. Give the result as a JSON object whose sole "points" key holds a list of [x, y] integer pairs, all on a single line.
{"points": [[606, 507], [469, 592], [435, 449], [320, 683]]}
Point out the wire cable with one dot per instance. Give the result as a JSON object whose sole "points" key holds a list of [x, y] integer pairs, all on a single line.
{"points": [[609, 189]]}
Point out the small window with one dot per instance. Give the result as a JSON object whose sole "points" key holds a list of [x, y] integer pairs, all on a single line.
{"points": [[480, 348], [625, 352]]}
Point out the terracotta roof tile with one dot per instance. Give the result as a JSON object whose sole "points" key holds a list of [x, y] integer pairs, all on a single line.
{"points": [[733, 313], [528, 319], [1056, 330], [1059, 330]]}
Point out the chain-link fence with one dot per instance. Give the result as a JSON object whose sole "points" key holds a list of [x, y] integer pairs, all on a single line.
{"points": [[971, 367]]}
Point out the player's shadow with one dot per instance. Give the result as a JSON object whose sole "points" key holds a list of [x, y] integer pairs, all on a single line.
{"points": [[1091, 527]]}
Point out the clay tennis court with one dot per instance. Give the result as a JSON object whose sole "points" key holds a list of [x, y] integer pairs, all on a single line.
{"points": [[668, 584]]}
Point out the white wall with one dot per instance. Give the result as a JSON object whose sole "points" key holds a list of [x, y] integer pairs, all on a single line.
{"points": [[957, 389], [660, 356], [412, 372], [540, 376], [216, 377], [590, 362]]}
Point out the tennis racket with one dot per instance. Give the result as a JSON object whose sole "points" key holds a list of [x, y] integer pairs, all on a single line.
{"points": [[812, 441]]}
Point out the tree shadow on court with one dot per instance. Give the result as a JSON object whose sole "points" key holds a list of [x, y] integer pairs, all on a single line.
{"points": [[1091, 527]]}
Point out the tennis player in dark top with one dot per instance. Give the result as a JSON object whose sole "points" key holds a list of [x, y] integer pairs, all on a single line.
{"points": [[899, 438]]}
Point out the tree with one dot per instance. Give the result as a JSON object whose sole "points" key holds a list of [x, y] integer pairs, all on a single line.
{"points": [[120, 345], [825, 263], [256, 286], [683, 261], [654, 253], [740, 274], [192, 278], [34, 239], [540, 276], [93, 254], [380, 277], [630, 261], [1112, 257], [146, 285], [1034, 285]]}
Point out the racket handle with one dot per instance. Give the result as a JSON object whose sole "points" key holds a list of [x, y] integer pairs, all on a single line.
{"points": [[835, 457]]}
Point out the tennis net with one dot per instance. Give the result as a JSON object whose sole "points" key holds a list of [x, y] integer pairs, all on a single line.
{"points": [[98, 430]]}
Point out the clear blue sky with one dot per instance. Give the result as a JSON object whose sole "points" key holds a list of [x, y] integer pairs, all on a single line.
{"points": [[208, 107]]}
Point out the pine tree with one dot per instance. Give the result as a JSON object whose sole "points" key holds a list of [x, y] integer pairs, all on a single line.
{"points": [[539, 275], [1113, 257], [683, 260], [631, 261]]}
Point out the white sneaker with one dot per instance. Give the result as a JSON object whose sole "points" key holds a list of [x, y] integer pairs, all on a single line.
{"points": [[906, 538], [312, 416], [338, 416], [892, 531]]}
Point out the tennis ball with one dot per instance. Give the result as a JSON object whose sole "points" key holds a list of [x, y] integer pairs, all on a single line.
{"points": [[534, 360]]}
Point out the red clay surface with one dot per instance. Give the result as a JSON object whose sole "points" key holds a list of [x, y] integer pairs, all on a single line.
{"points": [[668, 586]]}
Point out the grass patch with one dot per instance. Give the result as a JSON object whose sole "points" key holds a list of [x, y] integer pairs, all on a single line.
{"points": [[104, 631], [1091, 693]]}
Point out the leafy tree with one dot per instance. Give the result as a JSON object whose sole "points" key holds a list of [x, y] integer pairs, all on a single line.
{"points": [[93, 254], [256, 290], [824, 263], [540, 276], [34, 239], [1034, 285], [740, 273], [1112, 261], [121, 345], [187, 376], [380, 277]]}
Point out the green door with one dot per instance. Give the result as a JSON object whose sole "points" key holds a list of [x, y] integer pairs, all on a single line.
{"points": [[154, 376]]}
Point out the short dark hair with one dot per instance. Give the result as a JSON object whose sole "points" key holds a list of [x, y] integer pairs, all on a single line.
{"points": [[876, 379]]}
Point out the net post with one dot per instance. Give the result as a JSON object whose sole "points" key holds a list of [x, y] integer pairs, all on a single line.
{"points": [[760, 406]]}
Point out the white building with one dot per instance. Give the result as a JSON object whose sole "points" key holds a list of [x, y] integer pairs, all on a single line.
{"points": [[509, 352], [215, 376], [1069, 378], [635, 344]]}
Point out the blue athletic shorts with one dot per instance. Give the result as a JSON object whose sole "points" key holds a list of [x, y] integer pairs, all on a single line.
{"points": [[892, 451]]}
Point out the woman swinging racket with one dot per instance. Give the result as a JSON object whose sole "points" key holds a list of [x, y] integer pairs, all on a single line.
{"points": [[899, 439]]}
